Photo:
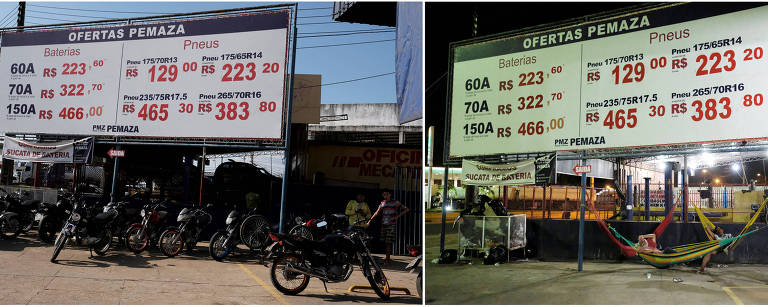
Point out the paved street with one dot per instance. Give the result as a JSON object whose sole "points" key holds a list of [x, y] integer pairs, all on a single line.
{"points": [[120, 277], [601, 282]]}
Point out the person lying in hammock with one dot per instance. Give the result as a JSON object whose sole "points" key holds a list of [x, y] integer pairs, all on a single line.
{"points": [[718, 234], [643, 245]]}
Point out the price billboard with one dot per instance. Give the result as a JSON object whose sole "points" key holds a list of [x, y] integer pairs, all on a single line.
{"points": [[215, 77], [678, 73]]}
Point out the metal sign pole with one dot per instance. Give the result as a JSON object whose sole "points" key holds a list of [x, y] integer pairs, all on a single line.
{"points": [[113, 196], [581, 214], [287, 168]]}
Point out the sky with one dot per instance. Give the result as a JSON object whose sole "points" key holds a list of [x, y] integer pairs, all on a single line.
{"points": [[338, 63]]}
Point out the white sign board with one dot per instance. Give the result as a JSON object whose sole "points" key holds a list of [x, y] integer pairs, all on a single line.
{"points": [[679, 74], [217, 77], [477, 173], [58, 152]]}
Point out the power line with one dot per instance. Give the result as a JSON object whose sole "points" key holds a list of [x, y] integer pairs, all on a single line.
{"points": [[316, 8], [100, 11], [51, 18], [317, 23], [62, 14], [348, 81], [314, 16], [344, 31], [9, 14], [346, 44], [151, 13], [343, 34]]}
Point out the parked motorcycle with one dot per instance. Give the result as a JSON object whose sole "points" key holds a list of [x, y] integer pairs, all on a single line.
{"points": [[315, 229], [192, 223], [413, 266], [53, 216], [85, 223], [247, 228], [139, 236], [18, 216], [330, 260]]}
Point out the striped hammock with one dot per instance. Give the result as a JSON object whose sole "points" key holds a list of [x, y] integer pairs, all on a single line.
{"points": [[682, 253]]}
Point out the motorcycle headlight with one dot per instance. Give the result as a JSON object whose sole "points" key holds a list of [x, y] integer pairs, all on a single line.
{"points": [[143, 212], [75, 217], [229, 220]]}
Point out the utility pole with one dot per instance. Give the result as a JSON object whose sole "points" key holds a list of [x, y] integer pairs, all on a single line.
{"points": [[20, 16]]}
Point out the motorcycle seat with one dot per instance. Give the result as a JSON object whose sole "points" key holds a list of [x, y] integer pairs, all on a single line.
{"points": [[31, 203], [101, 217]]}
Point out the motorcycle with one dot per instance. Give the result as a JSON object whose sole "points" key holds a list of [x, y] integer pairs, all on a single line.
{"points": [[192, 223], [248, 228], [83, 222], [330, 260], [139, 236], [18, 216], [413, 266], [318, 228], [53, 216]]}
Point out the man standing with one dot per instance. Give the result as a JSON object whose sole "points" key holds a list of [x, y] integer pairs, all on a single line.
{"points": [[358, 211], [390, 211]]}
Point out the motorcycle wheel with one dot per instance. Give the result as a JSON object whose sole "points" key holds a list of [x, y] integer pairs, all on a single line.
{"points": [[287, 282], [102, 247], [168, 246], [418, 283], [29, 226], [61, 240], [217, 247], [254, 232], [135, 243], [47, 229], [10, 227], [376, 278], [302, 231]]}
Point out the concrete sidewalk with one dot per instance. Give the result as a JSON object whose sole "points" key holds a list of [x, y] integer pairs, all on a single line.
{"points": [[120, 277]]}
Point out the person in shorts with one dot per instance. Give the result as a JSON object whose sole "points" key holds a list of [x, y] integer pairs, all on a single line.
{"points": [[390, 210]]}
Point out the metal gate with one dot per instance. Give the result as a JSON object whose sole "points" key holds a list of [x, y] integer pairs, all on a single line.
{"points": [[407, 190]]}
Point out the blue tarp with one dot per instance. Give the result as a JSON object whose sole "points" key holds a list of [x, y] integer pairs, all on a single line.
{"points": [[408, 61]]}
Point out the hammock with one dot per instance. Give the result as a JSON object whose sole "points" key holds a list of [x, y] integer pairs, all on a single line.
{"points": [[705, 222], [679, 254], [683, 253], [629, 251]]}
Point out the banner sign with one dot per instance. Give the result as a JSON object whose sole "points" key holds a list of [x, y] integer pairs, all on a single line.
{"points": [[477, 173], [546, 169], [58, 152], [215, 77], [659, 76], [536, 171], [362, 164]]}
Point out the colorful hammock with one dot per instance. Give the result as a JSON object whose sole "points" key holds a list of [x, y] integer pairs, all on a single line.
{"points": [[629, 251], [678, 254], [682, 253], [706, 223]]}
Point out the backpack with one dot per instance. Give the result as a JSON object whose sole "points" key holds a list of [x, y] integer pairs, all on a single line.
{"points": [[448, 256], [497, 254]]}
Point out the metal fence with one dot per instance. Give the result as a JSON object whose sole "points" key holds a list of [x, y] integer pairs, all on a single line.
{"points": [[558, 202], [46, 195], [407, 190]]}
